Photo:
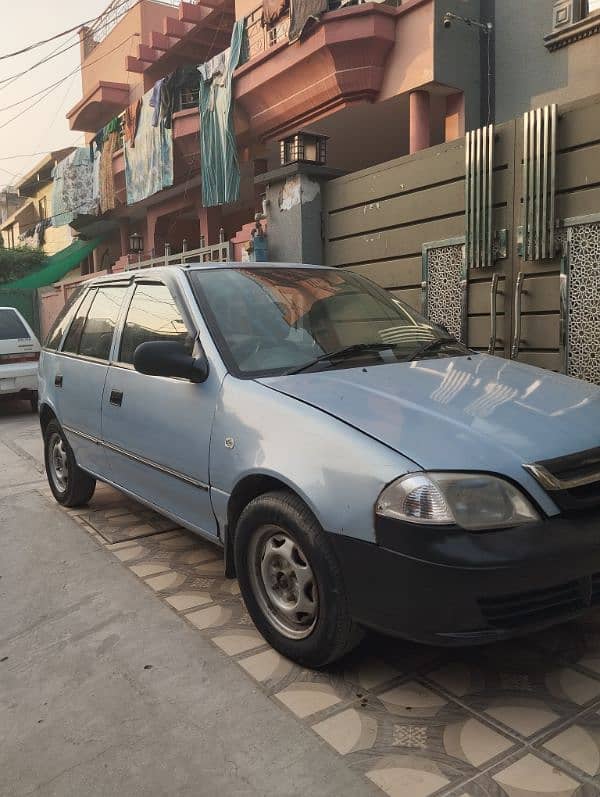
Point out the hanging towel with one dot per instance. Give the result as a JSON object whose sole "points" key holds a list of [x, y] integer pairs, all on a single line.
{"points": [[219, 156], [272, 10], [108, 200], [301, 12], [130, 124], [148, 165]]}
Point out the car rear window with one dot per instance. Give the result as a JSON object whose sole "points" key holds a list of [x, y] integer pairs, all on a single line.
{"points": [[11, 326]]}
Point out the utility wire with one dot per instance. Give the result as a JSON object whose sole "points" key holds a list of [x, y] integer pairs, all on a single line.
{"points": [[63, 33], [49, 89]]}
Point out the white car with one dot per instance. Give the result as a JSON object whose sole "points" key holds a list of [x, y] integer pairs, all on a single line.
{"points": [[19, 355]]}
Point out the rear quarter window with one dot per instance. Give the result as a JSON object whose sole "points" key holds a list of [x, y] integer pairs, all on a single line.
{"points": [[11, 326], [63, 320]]}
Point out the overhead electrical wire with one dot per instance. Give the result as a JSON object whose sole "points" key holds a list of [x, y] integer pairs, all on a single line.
{"points": [[58, 51], [63, 33], [49, 89]]}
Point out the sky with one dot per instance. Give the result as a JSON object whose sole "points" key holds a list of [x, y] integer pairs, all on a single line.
{"points": [[44, 127]]}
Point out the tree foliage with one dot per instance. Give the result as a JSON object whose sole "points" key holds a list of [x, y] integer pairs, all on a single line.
{"points": [[19, 262]]}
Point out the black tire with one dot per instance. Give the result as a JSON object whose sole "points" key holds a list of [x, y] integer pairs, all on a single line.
{"points": [[34, 402], [78, 486], [333, 632]]}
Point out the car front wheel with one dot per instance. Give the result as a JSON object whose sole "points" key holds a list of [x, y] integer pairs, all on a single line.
{"points": [[70, 485], [291, 581]]}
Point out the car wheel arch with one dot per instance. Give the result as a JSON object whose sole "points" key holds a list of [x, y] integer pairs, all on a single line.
{"points": [[47, 414], [245, 491]]}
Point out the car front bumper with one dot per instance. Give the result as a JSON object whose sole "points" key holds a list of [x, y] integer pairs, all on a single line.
{"points": [[451, 587]]}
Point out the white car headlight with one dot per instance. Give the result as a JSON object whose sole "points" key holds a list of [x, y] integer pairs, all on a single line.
{"points": [[471, 500]]}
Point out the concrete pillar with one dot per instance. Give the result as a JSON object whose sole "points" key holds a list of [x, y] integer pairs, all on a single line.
{"points": [[209, 220], [420, 121], [454, 123], [125, 232]]}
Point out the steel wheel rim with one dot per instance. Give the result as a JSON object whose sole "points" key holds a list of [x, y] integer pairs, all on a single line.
{"points": [[58, 462], [283, 582]]}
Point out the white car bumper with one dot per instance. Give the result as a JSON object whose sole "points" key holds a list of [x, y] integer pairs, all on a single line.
{"points": [[17, 378]]}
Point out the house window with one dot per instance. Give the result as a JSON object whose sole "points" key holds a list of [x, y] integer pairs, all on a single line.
{"points": [[43, 208]]}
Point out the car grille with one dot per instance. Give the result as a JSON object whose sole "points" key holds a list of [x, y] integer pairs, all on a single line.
{"points": [[537, 606], [573, 481]]}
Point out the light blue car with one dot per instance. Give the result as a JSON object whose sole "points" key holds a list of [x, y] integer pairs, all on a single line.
{"points": [[360, 467]]}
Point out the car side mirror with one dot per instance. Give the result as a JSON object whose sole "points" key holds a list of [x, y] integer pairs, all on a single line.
{"points": [[169, 358]]}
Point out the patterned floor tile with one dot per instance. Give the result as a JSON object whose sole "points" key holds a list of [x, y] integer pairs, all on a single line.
{"points": [[576, 747], [521, 689], [518, 719]]}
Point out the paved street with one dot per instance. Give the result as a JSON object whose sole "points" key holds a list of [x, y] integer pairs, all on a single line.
{"points": [[129, 666]]}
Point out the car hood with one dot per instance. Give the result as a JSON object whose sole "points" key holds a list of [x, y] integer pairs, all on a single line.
{"points": [[460, 413]]}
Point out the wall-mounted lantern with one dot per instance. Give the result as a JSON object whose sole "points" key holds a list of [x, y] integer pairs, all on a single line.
{"points": [[303, 148], [136, 243]]}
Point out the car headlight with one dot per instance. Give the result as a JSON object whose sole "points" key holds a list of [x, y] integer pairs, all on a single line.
{"points": [[471, 500]]}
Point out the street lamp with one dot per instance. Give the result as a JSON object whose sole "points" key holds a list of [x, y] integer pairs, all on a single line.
{"points": [[136, 243], [303, 148]]}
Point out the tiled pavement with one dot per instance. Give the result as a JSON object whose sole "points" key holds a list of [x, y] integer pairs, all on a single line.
{"points": [[516, 719]]}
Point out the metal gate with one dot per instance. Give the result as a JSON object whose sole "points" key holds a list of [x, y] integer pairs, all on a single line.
{"points": [[496, 235]]}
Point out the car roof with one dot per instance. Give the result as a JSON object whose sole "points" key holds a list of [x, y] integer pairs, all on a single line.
{"points": [[133, 272]]}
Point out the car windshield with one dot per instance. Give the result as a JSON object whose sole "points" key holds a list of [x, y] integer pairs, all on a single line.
{"points": [[283, 320], [11, 326]]}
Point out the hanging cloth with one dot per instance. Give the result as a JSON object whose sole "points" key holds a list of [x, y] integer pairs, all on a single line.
{"points": [[301, 12], [72, 190], [154, 101], [148, 165], [131, 121], [272, 10], [219, 157], [108, 200]]}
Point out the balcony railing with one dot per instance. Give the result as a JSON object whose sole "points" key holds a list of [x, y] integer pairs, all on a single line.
{"points": [[260, 36], [110, 18]]}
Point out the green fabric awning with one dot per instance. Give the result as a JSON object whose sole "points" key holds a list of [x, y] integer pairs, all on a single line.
{"points": [[55, 267]]}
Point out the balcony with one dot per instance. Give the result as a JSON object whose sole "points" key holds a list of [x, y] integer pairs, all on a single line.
{"points": [[355, 54]]}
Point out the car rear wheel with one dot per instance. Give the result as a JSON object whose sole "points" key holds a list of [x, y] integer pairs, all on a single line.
{"points": [[34, 402], [291, 581], [70, 485]]}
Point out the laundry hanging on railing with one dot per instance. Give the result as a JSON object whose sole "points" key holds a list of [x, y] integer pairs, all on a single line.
{"points": [[131, 121], [72, 190], [218, 148], [108, 199], [272, 10], [148, 164], [301, 12]]}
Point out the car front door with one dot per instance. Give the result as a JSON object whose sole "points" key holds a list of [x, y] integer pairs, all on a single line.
{"points": [[156, 430], [80, 372]]}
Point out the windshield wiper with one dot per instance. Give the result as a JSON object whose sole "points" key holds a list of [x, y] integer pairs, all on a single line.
{"points": [[430, 346], [346, 351]]}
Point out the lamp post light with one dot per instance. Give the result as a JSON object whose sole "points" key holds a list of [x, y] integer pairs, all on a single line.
{"points": [[136, 245]]}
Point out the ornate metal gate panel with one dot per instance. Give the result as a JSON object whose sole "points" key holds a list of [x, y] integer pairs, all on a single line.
{"points": [[444, 285], [580, 300]]}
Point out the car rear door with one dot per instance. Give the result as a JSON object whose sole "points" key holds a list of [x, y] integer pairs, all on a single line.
{"points": [[156, 430], [80, 372]]}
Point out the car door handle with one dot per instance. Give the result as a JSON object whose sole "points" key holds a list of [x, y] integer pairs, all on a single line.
{"points": [[116, 397], [58, 380]]}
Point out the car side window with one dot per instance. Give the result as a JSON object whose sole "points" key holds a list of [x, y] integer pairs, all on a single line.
{"points": [[63, 320], [153, 316], [71, 344], [102, 317]]}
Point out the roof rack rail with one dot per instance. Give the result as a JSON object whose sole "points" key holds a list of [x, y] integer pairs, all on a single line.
{"points": [[217, 253]]}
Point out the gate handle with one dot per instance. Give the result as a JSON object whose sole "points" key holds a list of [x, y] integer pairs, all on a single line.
{"points": [[493, 303], [516, 344]]}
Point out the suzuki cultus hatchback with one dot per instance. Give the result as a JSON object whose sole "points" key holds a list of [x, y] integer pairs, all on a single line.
{"points": [[360, 467], [19, 355]]}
